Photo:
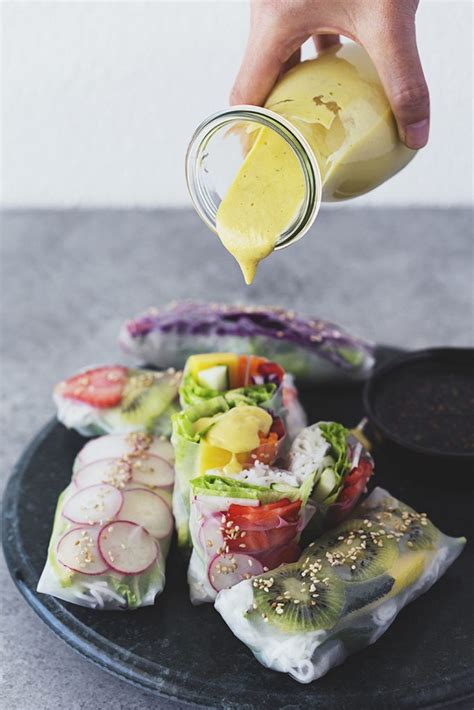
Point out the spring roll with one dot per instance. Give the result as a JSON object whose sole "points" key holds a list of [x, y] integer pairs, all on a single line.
{"points": [[116, 399], [311, 349], [215, 435], [113, 525], [343, 593], [243, 525], [341, 466]]}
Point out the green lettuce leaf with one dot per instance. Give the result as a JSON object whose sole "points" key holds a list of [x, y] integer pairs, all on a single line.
{"points": [[214, 485], [206, 408], [257, 395], [193, 394], [336, 436]]}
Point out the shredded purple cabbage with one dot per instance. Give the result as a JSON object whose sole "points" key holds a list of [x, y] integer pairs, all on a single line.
{"points": [[194, 318]]}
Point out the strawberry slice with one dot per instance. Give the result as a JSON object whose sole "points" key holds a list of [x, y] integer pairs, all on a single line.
{"points": [[101, 387]]}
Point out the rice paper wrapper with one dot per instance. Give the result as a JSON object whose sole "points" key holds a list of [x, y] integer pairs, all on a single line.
{"points": [[366, 612], [110, 539], [312, 349], [149, 401]]}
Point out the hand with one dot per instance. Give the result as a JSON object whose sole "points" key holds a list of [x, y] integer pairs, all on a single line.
{"points": [[385, 28]]}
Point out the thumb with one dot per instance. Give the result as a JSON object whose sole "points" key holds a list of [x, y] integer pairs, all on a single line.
{"points": [[396, 58]]}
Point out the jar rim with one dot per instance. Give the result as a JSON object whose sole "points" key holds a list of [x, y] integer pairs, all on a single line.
{"points": [[196, 152]]}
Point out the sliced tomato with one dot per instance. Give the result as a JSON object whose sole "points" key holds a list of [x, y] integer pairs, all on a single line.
{"points": [[264, 516], [289, 512], [251, 541], [281, 555], [362, 471], [282, 536], [235, 509], [354, 486], [266, 520], [101, 387], [277, 503]]}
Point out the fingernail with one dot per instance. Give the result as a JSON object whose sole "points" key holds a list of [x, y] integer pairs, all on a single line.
{"points": [[416, 134]]}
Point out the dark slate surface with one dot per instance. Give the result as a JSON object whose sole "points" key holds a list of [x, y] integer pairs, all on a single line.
{"points": [[397, 276]]}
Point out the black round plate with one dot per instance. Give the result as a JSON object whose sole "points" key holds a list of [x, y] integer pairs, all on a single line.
{"points": [[187, 653]]}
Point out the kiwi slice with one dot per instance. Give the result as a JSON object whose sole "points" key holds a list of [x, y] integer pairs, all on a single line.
{"points": [[357, 550], [412, 530], [299, 597], [146, 396], [361, 595]]}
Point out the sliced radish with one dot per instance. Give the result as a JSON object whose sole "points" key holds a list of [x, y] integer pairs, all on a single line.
{"points": [[228, 570], [210, 535], [146, 508], [165, 493], [127, 547], [113, 471], [118, 445], [153, 471], [95, 504], [78, 551]]}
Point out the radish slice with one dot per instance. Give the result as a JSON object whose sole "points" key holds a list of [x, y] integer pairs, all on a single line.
{"points": [[211, 537], [166, 494], [78, 551], [113, 471], [118, 445], [146, 508], [95, 504], [228, 570], [126, 547], [153, 471]]}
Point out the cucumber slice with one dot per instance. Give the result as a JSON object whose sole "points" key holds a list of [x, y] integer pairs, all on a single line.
{"points": [[325, 485], [216, 378]]}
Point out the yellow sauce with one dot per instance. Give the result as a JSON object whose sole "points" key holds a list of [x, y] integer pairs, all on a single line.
{"points": [[234, 432], [338, 104], [261, 202]]}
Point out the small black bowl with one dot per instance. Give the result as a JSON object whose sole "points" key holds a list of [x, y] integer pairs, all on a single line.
{"points": [[421, 405]]}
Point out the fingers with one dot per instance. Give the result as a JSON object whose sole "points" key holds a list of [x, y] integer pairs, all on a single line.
{"points": [[271, 49], [395, 55], [323, 42], [258, 73]]}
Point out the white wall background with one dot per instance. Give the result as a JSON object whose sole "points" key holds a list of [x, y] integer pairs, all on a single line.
{"points": [[100, 98]]}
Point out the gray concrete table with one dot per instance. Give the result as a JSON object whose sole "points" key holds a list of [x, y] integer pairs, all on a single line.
{"points": [[400, 277]]}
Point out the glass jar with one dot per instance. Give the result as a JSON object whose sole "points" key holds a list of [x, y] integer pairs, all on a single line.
{"points": [[333, 114]]}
